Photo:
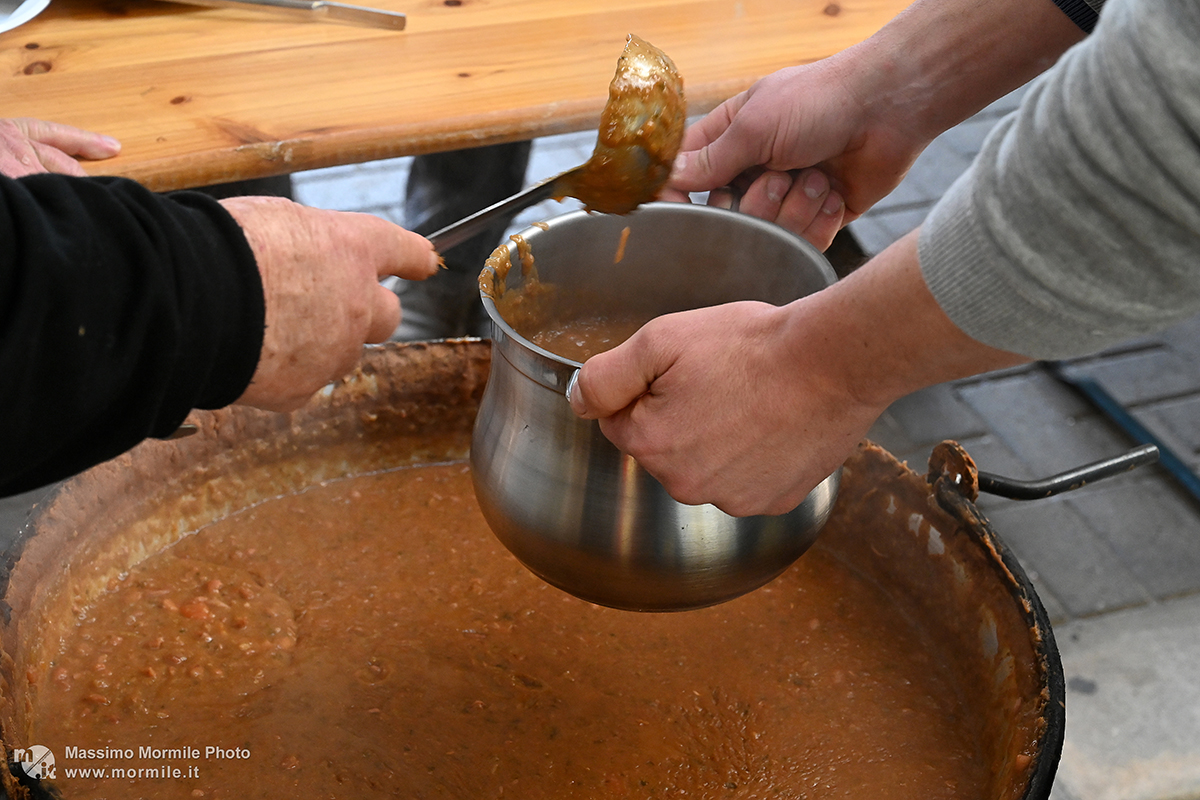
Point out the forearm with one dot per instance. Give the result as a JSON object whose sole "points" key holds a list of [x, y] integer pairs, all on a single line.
{"points": [[879, 334], [1078, 225], [749, 406], [940, 61], [121, 310]]}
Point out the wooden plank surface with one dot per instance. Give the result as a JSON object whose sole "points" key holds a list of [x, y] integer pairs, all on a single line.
{"points": [[202, 95]]}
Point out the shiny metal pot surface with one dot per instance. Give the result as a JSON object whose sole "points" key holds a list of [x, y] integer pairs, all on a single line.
{"points": [[574, 509]]}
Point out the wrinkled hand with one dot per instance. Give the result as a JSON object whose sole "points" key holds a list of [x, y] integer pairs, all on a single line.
{"points": [[724, 405], [748, 406], [801, 148], [29, 146], [320, 273]]}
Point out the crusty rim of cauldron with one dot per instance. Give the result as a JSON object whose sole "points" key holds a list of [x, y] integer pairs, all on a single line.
{"points": [[956, 500], [1055, 710]]}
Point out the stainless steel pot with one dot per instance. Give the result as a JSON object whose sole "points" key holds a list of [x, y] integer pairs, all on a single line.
{"points": [[578, 512]]}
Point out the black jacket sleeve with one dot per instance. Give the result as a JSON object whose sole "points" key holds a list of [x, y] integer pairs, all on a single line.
{"points": [[120, 311]]}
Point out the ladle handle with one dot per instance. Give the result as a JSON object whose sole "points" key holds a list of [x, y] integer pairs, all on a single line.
{"points": [[465, 228], [1066, 481]]}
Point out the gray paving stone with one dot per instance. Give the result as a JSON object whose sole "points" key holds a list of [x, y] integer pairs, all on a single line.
{"points": [[909, 194], [1152, 528], [937, 168], [936, 413], [1177, 423], [876, 231], [1133, 718], [1184, 338], [1004, 105], [967, 139], [1060, 791], [1143, 375], [1134, 345], [1044, 423], [1053, 539], [872, 235], [991, 454], [1029, 393], [889, 434], [1056, 612]]}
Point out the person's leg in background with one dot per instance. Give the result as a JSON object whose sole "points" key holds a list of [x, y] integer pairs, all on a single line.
{"points": [[443, 188]]}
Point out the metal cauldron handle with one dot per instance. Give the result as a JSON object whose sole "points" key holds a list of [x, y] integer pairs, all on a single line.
{"points": [[1071, 479], [950, 463]]}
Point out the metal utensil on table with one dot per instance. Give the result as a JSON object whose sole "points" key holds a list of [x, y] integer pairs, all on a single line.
{"points": [[314, 10], [14, 13], [7, 8], [641, 129]]}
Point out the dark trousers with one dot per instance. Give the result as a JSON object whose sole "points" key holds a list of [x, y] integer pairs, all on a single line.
{"points": [[443, 188]]}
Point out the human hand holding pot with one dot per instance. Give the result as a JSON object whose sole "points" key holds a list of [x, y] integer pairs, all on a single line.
{"points": [[705, 402], [748, 406], [320, 272]]}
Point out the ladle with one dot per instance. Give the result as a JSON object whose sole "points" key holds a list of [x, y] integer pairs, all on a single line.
{"points": [[641, 129]]}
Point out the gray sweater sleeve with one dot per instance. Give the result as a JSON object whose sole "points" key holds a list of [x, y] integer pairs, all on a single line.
{"points": [[1078, 226]]}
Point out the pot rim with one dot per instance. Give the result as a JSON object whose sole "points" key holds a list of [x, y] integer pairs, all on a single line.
{"points": [[535, 230]]}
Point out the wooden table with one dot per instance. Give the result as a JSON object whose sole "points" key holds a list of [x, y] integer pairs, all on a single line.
{"points": [[203, 95]]}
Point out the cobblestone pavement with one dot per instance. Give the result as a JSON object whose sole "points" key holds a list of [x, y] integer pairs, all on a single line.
{"points": [[1116, 563]]}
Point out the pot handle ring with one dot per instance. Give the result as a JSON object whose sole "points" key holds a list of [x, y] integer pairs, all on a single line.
{"points": [[572, 382]]}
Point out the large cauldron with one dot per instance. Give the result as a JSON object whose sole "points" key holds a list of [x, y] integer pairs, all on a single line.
{"points": [[416, 404]]}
